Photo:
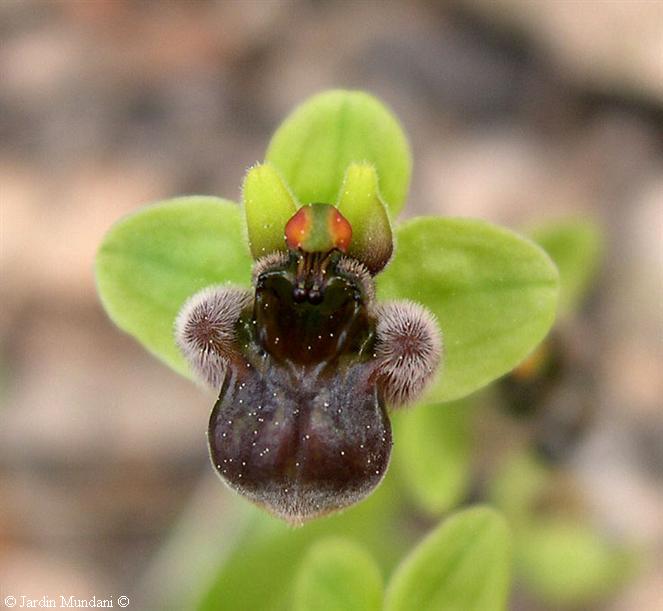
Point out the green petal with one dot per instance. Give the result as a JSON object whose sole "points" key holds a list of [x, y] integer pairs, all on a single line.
{"points": [[314, 146], [575, 246], [432, 452], [268, 205], [338, 575], [463, 565], [150, 262], [494, 294], [360, 203]]}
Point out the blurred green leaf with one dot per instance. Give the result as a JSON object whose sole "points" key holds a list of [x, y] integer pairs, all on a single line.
{"points": [[517, 485], [273, 550], [561, 559], [318, 141], [494, 294], [268, 205], [575, 246], [150, 262], [360, 202], [566, 562], [338, 575], [463, 565], [432, 452]]}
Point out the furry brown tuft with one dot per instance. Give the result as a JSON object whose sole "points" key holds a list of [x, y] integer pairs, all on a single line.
{"points": [[352, 267], [408, 350], [273, 260], [205, 330]]}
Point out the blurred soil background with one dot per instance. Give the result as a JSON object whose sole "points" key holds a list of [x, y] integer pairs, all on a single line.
{"points": [[517, 111]]}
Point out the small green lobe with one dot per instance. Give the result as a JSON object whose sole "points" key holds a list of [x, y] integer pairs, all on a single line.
{"points": [[268, 205], [360, 202]]}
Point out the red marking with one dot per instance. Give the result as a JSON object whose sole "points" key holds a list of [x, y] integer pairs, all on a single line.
{"points": [[318, 228], [340, 229], [298, 228]]}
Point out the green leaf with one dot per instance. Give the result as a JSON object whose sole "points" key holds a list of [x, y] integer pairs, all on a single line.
{"points": [[150, 262], [565, 562], [338, 575], [494, 294], [432, 452], [273, 550], [561, 559], [360, 203], [314, 146], [463, 565], [268, 205], [575, 246]]}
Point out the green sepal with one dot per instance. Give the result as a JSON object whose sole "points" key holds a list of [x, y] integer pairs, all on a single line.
{"points": [[151, 261], [315, 144], [494, 294], [268, 205], [360, 202]]}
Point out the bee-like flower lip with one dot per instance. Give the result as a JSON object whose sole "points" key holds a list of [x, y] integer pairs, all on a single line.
{"points": [[300, 427], [299, 447]]}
